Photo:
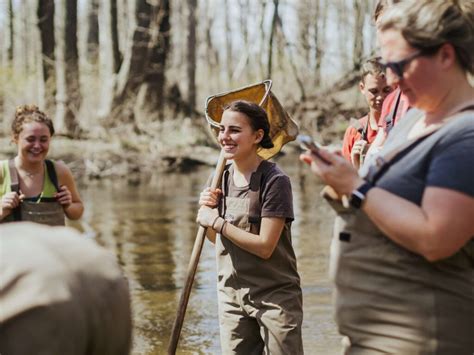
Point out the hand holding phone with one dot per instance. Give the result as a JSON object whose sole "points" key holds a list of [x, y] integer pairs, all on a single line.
{"points": [[307, 142]]}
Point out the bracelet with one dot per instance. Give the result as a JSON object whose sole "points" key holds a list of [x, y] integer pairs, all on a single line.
{"points": [[214, 222], [222, 227]]}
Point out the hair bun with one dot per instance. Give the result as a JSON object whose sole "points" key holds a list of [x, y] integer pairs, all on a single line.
{"points": [[29, 113], [266, 142]]}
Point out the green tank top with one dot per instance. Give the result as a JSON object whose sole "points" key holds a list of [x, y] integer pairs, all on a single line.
{"points": [[5, 181]]}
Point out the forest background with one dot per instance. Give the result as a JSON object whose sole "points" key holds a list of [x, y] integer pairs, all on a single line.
{"points": [[125, 81]]}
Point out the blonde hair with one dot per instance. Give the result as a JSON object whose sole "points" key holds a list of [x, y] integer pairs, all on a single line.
{"points": [[29, 113], [428, 24], [381, 6]]}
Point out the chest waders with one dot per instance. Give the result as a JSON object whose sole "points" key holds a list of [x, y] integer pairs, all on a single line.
{"points": [[390, 300], [260, 301], [46, 210]]}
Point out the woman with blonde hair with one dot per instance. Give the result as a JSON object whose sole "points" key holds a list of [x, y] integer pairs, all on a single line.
{"points": [[402, 256]]}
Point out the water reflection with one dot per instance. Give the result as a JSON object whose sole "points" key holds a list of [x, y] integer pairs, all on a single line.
{"points": [[151, 229]]}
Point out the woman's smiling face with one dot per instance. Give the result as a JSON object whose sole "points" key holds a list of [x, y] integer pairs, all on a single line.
{"points": [[33, 142], [236, 136]]}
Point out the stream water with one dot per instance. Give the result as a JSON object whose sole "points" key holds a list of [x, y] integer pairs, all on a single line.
{"points": [[150, 226]]}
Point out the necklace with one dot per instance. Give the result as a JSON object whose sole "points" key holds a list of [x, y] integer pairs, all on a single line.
{"points": [[30, 175]]}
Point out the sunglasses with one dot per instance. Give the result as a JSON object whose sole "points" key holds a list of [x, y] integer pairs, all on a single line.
{"points": [[397, 67]]}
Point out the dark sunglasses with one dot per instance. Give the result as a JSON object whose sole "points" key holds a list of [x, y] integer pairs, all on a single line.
{"points": [[397, 67]]}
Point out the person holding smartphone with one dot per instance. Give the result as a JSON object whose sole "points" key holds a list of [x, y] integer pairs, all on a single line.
{"points": [[402, 255]]}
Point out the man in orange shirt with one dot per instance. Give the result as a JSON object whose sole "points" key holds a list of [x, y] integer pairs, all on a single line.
{"points": [[361, 133]]}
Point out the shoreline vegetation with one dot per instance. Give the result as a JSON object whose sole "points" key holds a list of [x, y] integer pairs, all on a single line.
{"points": [[120, 99], [183, 144]]}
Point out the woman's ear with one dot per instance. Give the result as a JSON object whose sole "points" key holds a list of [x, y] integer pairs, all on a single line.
{"points": [[15, 138], [447, 55], [259, 136]]}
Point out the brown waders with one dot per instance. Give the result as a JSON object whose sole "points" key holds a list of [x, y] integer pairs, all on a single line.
{"points": [[260, 301], [390, 300], [45, 210]]}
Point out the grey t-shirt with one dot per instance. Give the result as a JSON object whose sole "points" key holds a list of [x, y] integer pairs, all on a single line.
{"points": [[238, 268], [443, 159], [277, 198]]}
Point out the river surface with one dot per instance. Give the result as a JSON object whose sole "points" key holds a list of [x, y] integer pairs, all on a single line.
{"points": [[150, 226]]}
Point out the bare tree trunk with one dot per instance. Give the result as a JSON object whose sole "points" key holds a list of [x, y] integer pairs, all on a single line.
{"points": [[270, 40], [45, 15], [319, 33], [25, 37], [212, 54], [132, 73], [262, 37], [155, 79], [11, 30], [359, 12], [116, 55], [243, 69], [305, 18], [244, 17], [191, 62], [71, 57], [228, 36], [343, 30], [93, 31], [287, 47]]}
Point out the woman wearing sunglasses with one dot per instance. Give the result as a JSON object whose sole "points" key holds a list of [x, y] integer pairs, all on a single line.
{"points": [[402, 256]]}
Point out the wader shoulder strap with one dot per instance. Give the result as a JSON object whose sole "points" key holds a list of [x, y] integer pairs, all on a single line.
{"points": [[362, 129], [366, 128], [14, 181], [225, 189], [14, 187], [390, 119], [52, 173], [255, 193]]}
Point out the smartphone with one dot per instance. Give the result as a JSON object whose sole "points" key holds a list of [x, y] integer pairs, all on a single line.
{"points": [[307, 143]]}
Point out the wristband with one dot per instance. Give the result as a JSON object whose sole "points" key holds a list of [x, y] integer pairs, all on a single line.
{"points": [[222, 227], [358, 195], [214, 222]]}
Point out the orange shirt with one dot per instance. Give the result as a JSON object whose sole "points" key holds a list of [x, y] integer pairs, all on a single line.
{"points": [[354, 133], [389, 105]]}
